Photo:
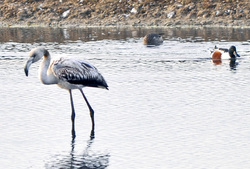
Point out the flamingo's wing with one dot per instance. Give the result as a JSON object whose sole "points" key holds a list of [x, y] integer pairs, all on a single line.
{"points": [[78, 72]]}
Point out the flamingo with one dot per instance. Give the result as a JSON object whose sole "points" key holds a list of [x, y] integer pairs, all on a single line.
{"points": [[69, 74]]}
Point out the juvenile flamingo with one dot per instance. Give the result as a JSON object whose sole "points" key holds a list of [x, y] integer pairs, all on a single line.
{"points": [[68, 74]]}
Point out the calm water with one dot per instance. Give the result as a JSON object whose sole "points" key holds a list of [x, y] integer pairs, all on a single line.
{"points": [[167, 107]]}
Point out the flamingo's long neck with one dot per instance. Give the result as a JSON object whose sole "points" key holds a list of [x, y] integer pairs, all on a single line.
{"points": [[46, 74]]}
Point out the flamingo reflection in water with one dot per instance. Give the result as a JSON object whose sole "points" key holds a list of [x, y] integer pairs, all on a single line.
{"points": [[68, 74], [88, 159]]}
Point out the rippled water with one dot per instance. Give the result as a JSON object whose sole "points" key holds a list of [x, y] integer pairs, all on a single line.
{"points": [[168, 106]]}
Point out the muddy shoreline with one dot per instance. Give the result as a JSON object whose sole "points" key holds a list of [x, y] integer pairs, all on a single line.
{"points": [[132, 13]]}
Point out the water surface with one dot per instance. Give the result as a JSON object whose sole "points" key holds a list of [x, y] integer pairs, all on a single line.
{"points": [[168, 106]]}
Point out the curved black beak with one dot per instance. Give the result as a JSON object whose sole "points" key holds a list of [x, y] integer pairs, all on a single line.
{"points": [[27, 66]]}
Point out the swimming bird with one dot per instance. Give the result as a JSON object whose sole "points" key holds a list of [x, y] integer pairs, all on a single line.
{"points": [[153, 39], [222, 53], [68, 74]]}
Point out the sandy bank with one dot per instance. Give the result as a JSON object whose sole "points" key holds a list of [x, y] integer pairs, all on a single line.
{"points": [[81, 13]]}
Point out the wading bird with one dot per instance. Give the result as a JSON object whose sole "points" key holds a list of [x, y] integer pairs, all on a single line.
{"points": [[68, 74], [153, 39]]}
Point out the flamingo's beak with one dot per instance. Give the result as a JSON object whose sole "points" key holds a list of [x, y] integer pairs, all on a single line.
{"points": [[27, 66]]}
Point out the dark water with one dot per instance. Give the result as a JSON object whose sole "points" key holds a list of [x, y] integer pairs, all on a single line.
{"points": [[35, 35], [168, 106]]}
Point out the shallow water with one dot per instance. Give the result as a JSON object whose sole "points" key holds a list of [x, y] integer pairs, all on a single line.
{"points": [[168, 106]]}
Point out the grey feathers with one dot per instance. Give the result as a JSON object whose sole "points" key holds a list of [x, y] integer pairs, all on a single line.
{"points": [[78, 72]]}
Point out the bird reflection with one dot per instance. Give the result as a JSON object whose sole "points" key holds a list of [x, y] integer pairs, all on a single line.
{"points": [[217, 61], [86, 160], [232, 63]]}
